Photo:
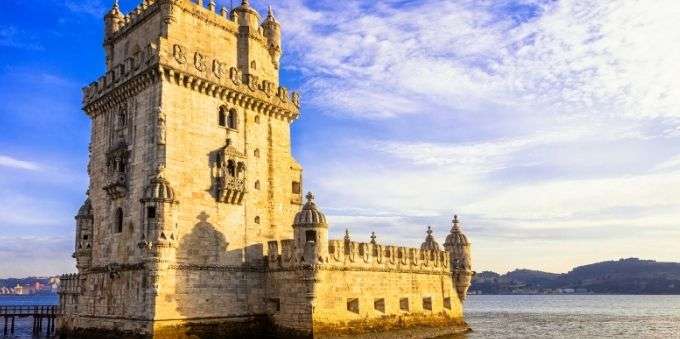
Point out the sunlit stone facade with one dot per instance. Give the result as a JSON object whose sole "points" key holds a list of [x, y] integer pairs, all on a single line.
{"points": [[194, 222]]}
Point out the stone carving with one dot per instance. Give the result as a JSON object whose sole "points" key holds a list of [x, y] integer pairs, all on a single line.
{"points": [[179, 54], [295, 98], [235, 75], [282, 94], [253, 81], [219, 68], [161, 127], [199, 61]]}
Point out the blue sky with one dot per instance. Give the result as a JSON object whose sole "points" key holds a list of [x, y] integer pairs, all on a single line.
{"points": [[551, 127]]}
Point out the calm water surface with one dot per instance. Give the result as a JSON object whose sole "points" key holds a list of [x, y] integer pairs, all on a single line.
{"points": [[538, 316], [573, 316]]}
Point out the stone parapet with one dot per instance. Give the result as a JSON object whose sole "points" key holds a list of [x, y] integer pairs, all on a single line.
{"points": [[352, 255]]}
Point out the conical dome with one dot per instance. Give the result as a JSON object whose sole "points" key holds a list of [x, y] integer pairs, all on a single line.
{"points": [[456, 238], [430, 243], [310, 215], [159, 190], [86, 209]]}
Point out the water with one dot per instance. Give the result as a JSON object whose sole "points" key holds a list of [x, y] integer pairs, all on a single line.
{"points": [[530, 316], [23, 326], [573, 316]]}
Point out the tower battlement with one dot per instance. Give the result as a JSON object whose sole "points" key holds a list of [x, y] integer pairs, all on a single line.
{"points": [[351, 255]]}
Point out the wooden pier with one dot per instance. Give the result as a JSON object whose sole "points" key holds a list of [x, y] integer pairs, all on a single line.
{"points": [[42, 315]]}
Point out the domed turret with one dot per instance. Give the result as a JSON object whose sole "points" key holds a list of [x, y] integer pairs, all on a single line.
{"points": [[429, 244], [458, 246], [113, 20], [159, 190], [272, 31], [311, 233], [246, 16], [85, 210], [83, 246], [157, 203]]}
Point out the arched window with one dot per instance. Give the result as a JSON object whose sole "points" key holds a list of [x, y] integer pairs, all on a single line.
{"points": [[119, 220], [232, 119], [257, 119], [253, 65], [257, 185], [257, 220], [222, 119], [257, 153], [231, 168]]}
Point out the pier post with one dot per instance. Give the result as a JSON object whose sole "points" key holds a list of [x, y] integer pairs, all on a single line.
{"points": [[12, 328], [5, 332]]}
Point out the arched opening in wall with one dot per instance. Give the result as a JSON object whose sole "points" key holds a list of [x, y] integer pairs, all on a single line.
{"points": [[122, 119], [257, 119], [310, 236], [257, 185], [118, 227], [257, 153], [253, 65], [218, 160], [151, 213], [257, 220], [296, 187], [222, 116], [231, 168], [232, 119]]}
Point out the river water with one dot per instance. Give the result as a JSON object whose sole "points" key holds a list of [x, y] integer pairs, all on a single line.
{"points": [[533, 316]]}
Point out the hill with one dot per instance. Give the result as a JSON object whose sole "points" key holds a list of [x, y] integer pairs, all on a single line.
{"points": [[624, 276]]}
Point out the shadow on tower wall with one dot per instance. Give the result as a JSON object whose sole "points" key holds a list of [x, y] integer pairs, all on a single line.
{"points": [[218, 287]]}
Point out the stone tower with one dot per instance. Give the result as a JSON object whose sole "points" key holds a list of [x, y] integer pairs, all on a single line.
{"points": [[190, 167], [458, 245]]}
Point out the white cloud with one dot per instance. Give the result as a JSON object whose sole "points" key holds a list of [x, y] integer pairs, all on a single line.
{"points": [[8, 161]]}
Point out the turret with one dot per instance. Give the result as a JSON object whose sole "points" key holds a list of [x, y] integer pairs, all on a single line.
{"points": [[458, 246], [113, 20], [272, 31], [246, 16], [83, 247], [158, 233], [430, 244], [310, 230]]}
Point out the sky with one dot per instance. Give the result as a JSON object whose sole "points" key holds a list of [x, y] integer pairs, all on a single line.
{"points": [[552, 128]]}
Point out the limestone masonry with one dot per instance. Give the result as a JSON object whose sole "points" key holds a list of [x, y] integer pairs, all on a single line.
{"points": [[194, 224]]}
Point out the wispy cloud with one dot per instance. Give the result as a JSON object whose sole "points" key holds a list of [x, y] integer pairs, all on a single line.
{"points": [[13, 37], [10, 162], [90, 7]]}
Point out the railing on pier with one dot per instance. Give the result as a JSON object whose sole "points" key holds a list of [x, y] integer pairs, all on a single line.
{"points": [[39, 313]]}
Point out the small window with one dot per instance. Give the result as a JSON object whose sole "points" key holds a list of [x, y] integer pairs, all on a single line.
{"points": [[447, 303], [121, 166], [257, 185], [231, 168], [253, 65], [85, 237], [122, 119], [403, 304], [119, 220], [222, 120], [353, 305], [379, 305], [257, 153], [296, 187], [310, 236], [257, 220], [427, 304], [232, 119], [218, 160], [151, 212], [257, 119]]}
